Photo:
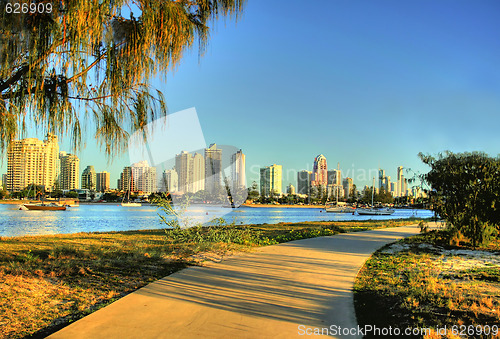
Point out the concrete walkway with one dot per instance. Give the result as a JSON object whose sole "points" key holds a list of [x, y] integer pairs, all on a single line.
{"points": [[264, 294]]}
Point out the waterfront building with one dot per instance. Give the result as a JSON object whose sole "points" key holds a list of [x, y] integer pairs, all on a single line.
{"points": [[69, 171], [290, 189], [89, 178], [347, 185], [335, 177], [400, 182], [144, 177], [170, 180], [394, 188], [125, 182], [213, 168], [320, 172], [102, 181], [184, 169], [384, 180], [238, 170], [304, 182], [4, 181], [271, 180], [198, 178], [32, 161]]}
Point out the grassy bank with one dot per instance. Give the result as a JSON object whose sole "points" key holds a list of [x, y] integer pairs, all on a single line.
{"points": [[423, 282], [49, 281]]}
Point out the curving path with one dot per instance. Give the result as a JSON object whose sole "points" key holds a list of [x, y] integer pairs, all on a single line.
{"points": [[268, 293]]}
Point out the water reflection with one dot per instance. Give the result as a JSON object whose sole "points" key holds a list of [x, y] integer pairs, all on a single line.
{"points": [[109, 217]]}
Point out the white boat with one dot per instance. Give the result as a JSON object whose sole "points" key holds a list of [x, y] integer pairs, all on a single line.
{"points": [[336, 208], [131, 204], [374, 211]]}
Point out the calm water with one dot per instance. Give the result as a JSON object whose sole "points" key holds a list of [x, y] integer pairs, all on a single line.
{"points": [[110, 217]]}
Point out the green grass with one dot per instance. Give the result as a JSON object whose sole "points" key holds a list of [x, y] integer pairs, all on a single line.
{"points": [[51, 280], [409, 288]]}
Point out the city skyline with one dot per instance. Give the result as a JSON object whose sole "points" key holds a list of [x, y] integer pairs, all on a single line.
{"points": [[189, 180], [371, 87]]}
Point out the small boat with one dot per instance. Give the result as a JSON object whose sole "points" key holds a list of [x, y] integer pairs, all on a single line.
{"points": [[374, 211], [131, 204], [128, 203], [335, 208], [44, 207]]}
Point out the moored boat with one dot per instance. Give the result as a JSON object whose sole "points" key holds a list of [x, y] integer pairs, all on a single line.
{"points": [[44, 207], [374, 211]]}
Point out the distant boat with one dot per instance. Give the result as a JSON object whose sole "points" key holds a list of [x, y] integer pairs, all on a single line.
{"points": [[128, 203], [335, 208], [131, 204], [374, 211], [44, 207]]}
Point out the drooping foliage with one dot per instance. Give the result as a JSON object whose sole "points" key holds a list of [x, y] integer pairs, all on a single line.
{"points": [[466, 192], [92, 61]]}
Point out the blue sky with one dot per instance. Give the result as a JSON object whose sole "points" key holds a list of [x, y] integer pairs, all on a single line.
{"points": [[366, 83]]}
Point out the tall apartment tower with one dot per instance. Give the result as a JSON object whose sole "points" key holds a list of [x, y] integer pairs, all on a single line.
{"points": [[102, 181], [271, 180], [32, 161], [304, 182], [144, 177], [347, 184], [89, 178], [198, 177], [184, 169], [400, 187], [238, 170], [125, 183], [69, 171], [213, 168], [170, 180], [320, 172]]}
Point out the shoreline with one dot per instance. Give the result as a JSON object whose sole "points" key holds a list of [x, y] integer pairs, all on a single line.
{"points": [[283, 206]]}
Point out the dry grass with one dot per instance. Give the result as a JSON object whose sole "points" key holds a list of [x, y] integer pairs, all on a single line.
{"points": [[49, 281], [410, 288]]}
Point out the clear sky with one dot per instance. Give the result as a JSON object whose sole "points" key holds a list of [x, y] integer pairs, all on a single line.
{"points": [[366, 83]]}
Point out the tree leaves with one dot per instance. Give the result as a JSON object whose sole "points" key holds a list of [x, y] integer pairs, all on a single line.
{"points": [[87, 62], [466, 192]]}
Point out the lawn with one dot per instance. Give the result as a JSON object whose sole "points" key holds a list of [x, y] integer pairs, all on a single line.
{"points": [[51, 280]]}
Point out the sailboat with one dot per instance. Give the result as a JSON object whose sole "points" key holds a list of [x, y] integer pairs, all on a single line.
{"points": [[374, 211], [128, 203], [42, 206], [336, 208]]}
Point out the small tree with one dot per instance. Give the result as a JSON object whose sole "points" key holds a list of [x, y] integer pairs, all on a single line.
{"points": [[466, 191]]}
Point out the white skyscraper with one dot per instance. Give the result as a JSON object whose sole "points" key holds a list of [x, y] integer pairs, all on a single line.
{"points": [[238, 170]]}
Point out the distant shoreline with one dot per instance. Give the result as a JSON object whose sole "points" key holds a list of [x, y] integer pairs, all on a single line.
{"points": [[283, 206]]}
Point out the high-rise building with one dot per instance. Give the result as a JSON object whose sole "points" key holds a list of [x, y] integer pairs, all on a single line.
{"points": [[304, 182], [383, 180], [290, 189], [144, 177], [89, 178], [32, 161], [198, 178], [69, 171], [320, 172], [125, 183], [170, 180], [213, 168], [238, 170], [347, 184], [270, 180], [139, 177], [184, 169], [102, 181], [400, 186]]}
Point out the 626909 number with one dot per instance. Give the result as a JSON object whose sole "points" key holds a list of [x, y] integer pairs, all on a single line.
{"points": [[26, 7]]}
